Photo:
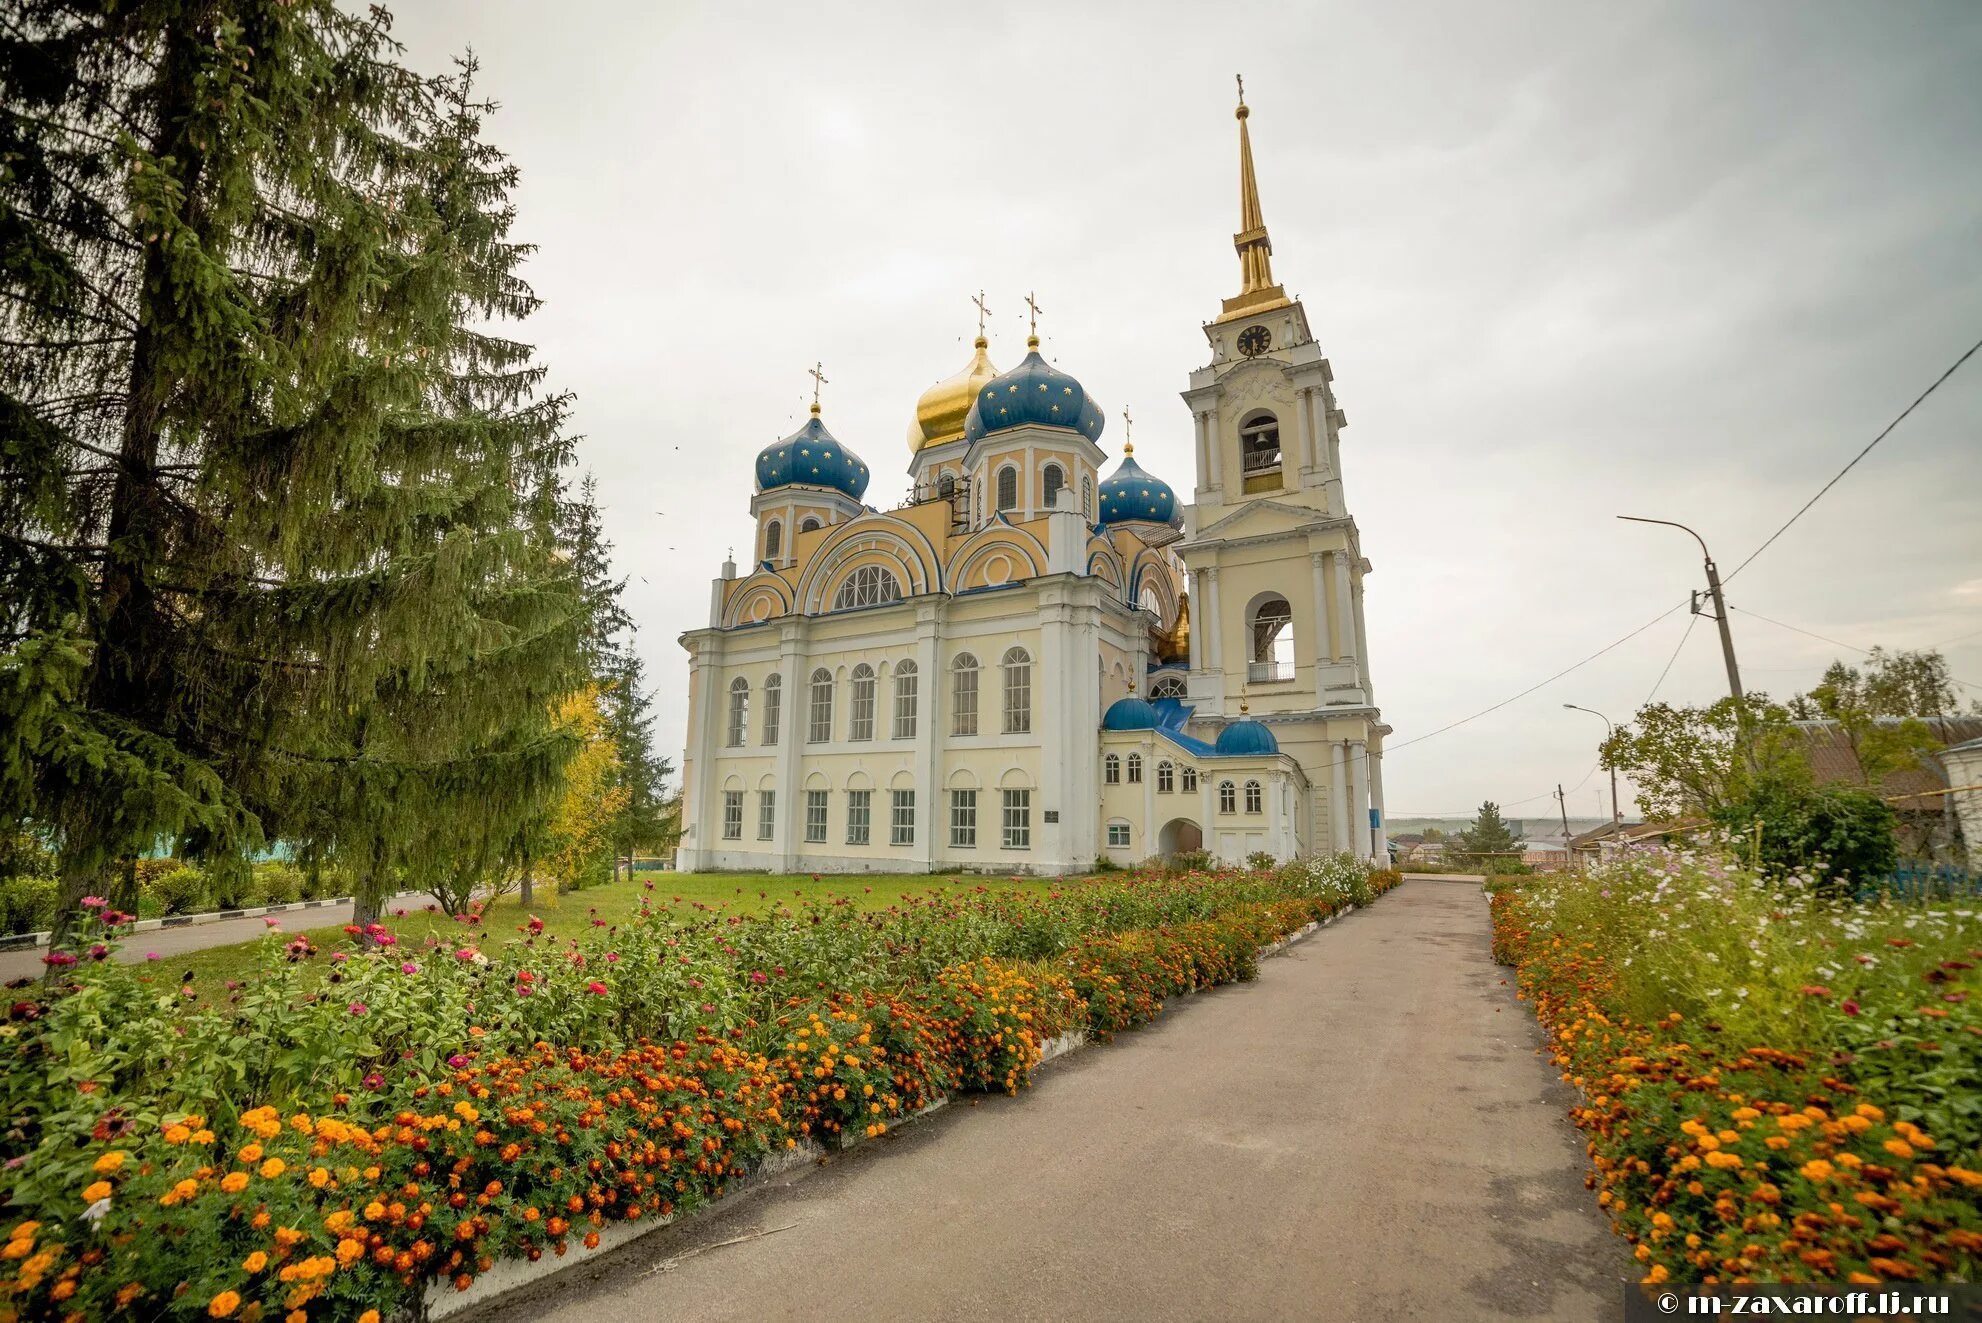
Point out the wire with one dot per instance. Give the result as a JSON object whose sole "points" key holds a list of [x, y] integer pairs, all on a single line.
{"points": [[1854, 460], [1825, 638], [1540, 684], [1670, 660]]}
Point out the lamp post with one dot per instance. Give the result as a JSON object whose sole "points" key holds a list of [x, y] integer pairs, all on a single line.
{"points": [[1616, 819], [1720, 603]]}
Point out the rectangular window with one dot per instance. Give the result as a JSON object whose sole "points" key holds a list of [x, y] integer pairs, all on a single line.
{"points": [[732, 815], [1255, 801], [739, 713], [767, 813], [963, 714], [1190, 780], [963, 819], [901, 824], [860, 711], [859, 815], [1166, 779], [1118, 835], [1018, 698], [1228, 797], [815, 817], [774, 704], [1018, 819], [1135, 769], [820, 728], [906, 696]]}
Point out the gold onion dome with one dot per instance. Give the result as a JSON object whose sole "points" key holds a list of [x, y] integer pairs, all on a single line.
{"points": [[940, 412]]}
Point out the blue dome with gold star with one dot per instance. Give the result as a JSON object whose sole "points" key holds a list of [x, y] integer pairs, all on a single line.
{"points": [[1134, 495], [1245, 738], [811, 457], [1033, 394]]}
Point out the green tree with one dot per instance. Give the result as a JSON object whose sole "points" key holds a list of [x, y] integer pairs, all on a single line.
{"points": [[280, 513], [1837, 833], [1488, 835], [1691, 761]]}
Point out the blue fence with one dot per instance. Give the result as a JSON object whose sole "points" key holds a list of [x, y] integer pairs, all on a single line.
{"points": [[1922, 882]]}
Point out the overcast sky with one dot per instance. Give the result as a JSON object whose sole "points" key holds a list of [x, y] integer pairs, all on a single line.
{"points": [[1568, 261]]}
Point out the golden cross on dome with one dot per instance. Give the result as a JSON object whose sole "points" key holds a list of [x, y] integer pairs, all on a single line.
{"points": [[982, 312], [1242, 88], [818, 375], [1032, 318], [1128, 429]]}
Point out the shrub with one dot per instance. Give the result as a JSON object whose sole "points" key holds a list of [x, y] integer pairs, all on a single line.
{"points": [[27, 904], [278, 882], [180, 890], [1261, 860], [1191, 861], [1835, 834]]}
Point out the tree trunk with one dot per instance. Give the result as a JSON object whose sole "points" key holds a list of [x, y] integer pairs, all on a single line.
{"points": [[529, 892]]}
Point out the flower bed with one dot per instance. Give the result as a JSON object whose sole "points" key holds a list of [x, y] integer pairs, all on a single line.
{"points": [[306, 1155], [1773, 1088]]}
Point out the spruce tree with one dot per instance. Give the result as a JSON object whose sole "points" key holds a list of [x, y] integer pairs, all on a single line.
{"points": [[1489, 834], [280, 513]]}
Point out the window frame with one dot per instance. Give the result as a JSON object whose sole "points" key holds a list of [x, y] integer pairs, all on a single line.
{"points": [[867, 585], [1052, 481], [819, 707], [767, 814], [1120, 836], [1166, 777], [908, 693], [963, 818], [964, 713], [732, 815], [739, 714], [859, 817], [1111, 770], [774, 539], [1132, 768], [901, 817], [1228, 797], [1015, 817], [1188, 779], [774, 706], [1005, 486], [862, 696], [817, 805], [1017, 705], [1255, 797]]}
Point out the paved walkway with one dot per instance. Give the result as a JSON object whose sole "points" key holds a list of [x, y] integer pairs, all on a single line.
{"points": [[1366, 1133], [170, 942]]}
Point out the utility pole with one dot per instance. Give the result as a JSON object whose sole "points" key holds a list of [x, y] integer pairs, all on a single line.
{"points": [[1616, 818], [1713, 592], [1562, 801]]}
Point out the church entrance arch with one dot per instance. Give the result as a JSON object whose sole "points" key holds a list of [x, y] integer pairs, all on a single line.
{"points": [[1179, 836]]}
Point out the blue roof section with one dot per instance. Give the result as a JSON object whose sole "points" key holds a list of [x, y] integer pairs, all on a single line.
{"points": [[1037, 394], [1244, 739], [811, 456], [1172, 716], [1134, 494], [1129, 713]]}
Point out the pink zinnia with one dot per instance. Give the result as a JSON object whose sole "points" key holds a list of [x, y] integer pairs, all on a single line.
{"points": [[359, 1008], [409, 968], [1848, 1007], [596, 988], [269, 920], [93, 902]]}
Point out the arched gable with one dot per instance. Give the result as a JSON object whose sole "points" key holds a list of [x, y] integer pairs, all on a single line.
{"points": [[1104, 561], [1151, 571], [976, 563], [763, 596], [877, 539]]}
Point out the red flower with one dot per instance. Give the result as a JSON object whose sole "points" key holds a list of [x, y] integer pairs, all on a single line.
{"points": [[1848, 1007], [596, 988], [1815, 990]]}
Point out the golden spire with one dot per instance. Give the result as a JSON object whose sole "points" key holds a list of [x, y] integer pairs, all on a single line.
{"points": [[941, 410], [1128, 425], [1257, 292], [1032, 321], [818, 375], [982, 312]]}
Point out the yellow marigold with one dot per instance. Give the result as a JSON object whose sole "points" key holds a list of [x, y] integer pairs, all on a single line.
{"points": [[1971, 1179], [1857, 1125], [108, 1163], [340, 1219], [17, 1249], [1899, 1148], [1708, 1142], [177, 1133], [296, 1316], [274, 1167], [24, 1231], [1745, 1113], [1777, 1141], [1869, 1112], [202, 1136], [234, 1182], [374, 1211], [223, 1304], [254, 1262], [251, 1152], [369, 1316], [319, 1177], [96, 1190], [1816, 1169], [350, 1251], [1725, 1161]]}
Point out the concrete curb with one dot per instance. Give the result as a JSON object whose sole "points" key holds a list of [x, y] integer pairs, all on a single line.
{"points": [[510, 1275], [32, 941]]}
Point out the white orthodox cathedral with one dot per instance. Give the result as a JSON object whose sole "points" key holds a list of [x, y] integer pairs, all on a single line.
{"points": [[1031, 664]]}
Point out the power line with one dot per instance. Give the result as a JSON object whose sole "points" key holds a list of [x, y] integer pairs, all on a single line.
{"points": [[1825, 638], [1541, 684], [1670, 660], [1854, 460]]}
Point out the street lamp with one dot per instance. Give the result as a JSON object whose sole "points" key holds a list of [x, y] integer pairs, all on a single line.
{"points": [[1616, 819], [1720, 603]]}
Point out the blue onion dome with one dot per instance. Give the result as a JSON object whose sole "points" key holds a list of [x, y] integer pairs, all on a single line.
{"points": [[1033, 394], [1134, 495], [811, 457], [1245, 736], [1131, 713]]}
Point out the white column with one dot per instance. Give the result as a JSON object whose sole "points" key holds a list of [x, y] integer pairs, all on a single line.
{"points": [[1376, 802], [1362, 645], [698, 822], [788, 831], [1203, 440], [1359, 799], [1338, 798], [1049, 718], [1213, 624], [1213, 448], [1303, 432], [1207, 789], [931, 694], [1340, 610], [1198, 600], [1323, 656]]}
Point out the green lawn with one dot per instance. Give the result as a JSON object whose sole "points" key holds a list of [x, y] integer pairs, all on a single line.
{"points": [[579, 911]]}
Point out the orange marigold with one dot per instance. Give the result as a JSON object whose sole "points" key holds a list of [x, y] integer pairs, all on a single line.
{"points": [[223, 1304], [234, 1182]]}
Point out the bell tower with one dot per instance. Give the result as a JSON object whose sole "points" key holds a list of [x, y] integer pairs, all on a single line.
{"points": [[1274, 556]]}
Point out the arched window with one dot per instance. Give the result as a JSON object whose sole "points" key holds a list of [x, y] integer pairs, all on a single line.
{"points": [[1168, 686], [870, 585], [1087, 497], [1055, 479], [1018, 692], [1255, 802], [819, 728], [1150, 601], [774, 702], [1166, 778], [1111, 770], [860, 707], [1135, 769], [739, 711], [1271, 624], [1228, 797], [1259, 446], [1190, 780], [946, 486], [1008, 488], [774, 537], [906, 696], [963, 695], [808, 524]]}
